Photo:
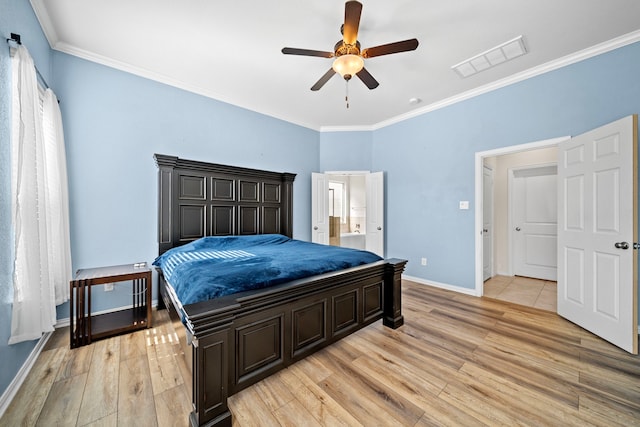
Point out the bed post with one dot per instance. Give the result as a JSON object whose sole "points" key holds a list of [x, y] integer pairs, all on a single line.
{"points": [[166, 165], [392, 293], [211, 387], [287, 203]]}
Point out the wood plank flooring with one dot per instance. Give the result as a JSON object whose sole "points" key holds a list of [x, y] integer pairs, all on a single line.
{"points": [[457, 361]]}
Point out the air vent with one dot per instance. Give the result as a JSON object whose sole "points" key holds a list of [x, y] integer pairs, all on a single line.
{"points": [[490, 58]]}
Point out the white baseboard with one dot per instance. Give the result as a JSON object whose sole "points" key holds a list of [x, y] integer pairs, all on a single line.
{"points": [[61, 323], [14, 386], [459, 289]]}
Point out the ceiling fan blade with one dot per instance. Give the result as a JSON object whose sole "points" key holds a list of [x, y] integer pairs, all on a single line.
{"points": [[387, 49], [367, 79], [306, 52], [352, 11], [323, 79]]}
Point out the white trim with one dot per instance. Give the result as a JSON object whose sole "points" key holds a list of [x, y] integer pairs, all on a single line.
{"points": [[573, 58], [45, 21], [21, 376], [479, 163], [360, 128], [63, 323], [55, 43], [454, 288], [349, 173], [493, 236]]}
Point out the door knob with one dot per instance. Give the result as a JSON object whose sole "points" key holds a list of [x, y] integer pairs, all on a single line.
{"points": [[622, 245], [484, 230], [517, 228], [315, 228], [379, 228]]}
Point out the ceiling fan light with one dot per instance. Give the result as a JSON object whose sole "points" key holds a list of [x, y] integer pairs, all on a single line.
{"points": [[348, 65]]}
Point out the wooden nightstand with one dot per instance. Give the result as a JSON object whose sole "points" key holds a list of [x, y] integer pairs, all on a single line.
{"points": [[86, 327]]}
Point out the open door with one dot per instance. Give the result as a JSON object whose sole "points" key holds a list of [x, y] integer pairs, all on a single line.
{"points": [[597, 226], [375, 213], [320, 208], [487, 223]]}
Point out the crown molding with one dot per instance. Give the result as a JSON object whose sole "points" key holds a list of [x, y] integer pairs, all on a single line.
{"points": [[361, 128], [161, 78], [573, 58], [52, 37], [42, 15]]}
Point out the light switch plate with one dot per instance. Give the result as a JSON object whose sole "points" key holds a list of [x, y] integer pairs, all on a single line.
{"points": [[464, 204]]}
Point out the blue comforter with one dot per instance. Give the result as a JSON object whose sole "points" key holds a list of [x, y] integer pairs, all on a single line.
{"points": [[215, 266]]}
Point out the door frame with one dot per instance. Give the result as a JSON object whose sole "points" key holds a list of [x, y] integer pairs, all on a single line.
{"points": [[479, 163], [490, 232]]}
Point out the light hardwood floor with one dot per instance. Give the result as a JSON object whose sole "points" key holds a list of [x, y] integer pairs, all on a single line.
{"points": [[458, 360]]}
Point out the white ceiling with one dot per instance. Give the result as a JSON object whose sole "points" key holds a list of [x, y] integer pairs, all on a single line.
{"points": [[231, 50]]}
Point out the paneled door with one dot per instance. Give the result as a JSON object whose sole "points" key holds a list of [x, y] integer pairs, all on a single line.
{"points": [[375, 213], [597, 226], [534, 204], [320, 208], [487, 223]]}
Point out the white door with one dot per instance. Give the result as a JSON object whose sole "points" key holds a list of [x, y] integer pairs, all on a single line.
{"points": [[319, 208], [534, 222], [487, 223], [375, 213], [597, 274]]}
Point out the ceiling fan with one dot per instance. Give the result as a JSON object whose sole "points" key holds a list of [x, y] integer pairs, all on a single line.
{"points": [[349, 57]]}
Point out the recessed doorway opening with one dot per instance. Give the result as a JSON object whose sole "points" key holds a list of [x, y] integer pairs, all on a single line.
{"points": [[502, 247]]}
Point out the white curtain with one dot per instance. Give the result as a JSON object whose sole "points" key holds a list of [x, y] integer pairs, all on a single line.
{"points": [[39, 211], [58, 198]]}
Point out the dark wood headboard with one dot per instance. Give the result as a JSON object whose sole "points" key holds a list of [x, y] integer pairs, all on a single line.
{"points": [[197, 199]]}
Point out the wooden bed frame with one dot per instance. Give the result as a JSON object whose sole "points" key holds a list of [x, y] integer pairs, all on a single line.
{"points": [[235, 341]]}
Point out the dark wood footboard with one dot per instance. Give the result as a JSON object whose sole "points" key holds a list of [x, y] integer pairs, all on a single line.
{"points": [[244, 339]]}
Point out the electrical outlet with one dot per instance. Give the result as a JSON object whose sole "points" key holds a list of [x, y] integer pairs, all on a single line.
{"points": [[423, 261], [108, 287]]}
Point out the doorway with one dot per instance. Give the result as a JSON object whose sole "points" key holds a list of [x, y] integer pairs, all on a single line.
{"points": [[597, 218], [501, 161], [522, 210], [348, 210]]}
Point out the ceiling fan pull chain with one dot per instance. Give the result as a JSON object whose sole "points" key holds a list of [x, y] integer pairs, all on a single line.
{"points": [[346, 97]]}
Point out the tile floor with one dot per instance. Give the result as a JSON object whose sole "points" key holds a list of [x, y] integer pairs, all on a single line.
{"points": [[523, 290]]}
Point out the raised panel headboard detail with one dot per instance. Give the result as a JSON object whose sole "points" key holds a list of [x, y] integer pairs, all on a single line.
{"points": [[198, 199]]}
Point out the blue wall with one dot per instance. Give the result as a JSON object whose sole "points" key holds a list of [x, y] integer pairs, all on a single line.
{"points": [[429, 160], [115, 122], [15, 17], [345, 151]]}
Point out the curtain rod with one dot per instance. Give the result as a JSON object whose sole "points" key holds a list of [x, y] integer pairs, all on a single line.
{"points": [[16, 39]]}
